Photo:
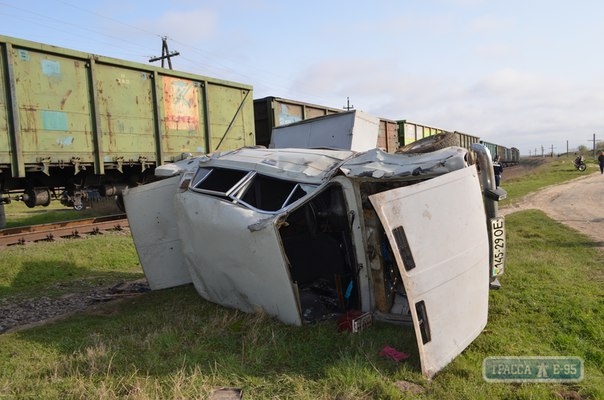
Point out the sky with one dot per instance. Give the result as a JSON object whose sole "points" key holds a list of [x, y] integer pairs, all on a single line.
{"points": [[527, 74]]}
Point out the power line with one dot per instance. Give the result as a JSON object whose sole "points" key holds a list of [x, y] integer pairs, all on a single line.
{"points": [[57, 25]]}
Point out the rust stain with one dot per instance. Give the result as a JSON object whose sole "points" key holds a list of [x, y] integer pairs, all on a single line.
{"points": [[30, 119], [110, 133], [65, 97], [29, 140]]}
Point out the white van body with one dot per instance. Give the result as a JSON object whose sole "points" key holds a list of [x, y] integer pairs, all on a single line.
{"points": [[306, 235]]}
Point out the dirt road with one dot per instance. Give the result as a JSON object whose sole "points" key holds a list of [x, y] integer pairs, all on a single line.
{"points": [[578, 204]]}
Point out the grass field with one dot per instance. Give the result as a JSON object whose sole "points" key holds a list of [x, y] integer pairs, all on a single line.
{"points": [[173, 344]]}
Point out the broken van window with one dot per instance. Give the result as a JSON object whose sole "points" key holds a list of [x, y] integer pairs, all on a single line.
{"points": [[217, 181], [249, 188]]}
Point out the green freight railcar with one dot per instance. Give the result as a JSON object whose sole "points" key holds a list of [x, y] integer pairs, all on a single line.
{"points": [[410, 132], [72, 122], [492, 147], [271, 112]]}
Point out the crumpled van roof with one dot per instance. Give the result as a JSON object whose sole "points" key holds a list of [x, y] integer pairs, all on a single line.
{"points": [[318, 165]]}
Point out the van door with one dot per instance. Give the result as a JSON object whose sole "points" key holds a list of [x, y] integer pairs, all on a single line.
{"points": [[438, 234], [152, 220], [234, 256]]}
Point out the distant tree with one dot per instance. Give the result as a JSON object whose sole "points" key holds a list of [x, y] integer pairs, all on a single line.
{"points": [[600, 145], [582, 149]]}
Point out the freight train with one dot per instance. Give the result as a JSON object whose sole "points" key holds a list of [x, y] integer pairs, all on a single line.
{"points": [[73, 124], [270, 112]]}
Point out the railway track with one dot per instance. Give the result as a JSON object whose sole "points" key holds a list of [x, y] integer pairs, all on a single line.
{"points": [[67, 229]]}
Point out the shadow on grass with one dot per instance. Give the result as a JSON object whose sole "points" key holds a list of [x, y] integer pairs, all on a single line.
{"points": [[163, 332], [57, 277]]}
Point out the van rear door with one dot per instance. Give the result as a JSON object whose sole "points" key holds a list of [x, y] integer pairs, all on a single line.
{"points": [[152, 220], [438, 234]]}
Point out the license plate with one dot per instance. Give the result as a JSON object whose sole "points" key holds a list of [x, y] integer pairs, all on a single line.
{"points": [[497, 232]]}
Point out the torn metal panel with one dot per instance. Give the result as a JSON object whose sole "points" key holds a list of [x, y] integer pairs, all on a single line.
{"points": [[178, 168], [301, 165], [379, 164], [232, 265]]}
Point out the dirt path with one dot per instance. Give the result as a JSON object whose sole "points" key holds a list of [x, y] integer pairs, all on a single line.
{"points": [[578, 203]]}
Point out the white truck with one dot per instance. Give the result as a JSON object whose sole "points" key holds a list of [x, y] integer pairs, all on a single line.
{"points": [[312, 234]]}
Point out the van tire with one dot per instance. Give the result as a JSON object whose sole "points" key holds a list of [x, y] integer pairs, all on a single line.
{"points": [[431, 143]]}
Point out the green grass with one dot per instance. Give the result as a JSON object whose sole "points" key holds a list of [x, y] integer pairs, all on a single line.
{"points": [[173, 344], [68, 263]]}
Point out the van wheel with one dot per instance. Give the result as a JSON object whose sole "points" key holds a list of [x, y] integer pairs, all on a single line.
{"points": [[431, 143]]}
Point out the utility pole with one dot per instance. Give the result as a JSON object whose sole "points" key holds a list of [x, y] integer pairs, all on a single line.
{"points": [[348, 107], [593, 140], [552, 150], [165, 53]]}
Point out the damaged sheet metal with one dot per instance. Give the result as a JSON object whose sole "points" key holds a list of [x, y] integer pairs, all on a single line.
{"points": [[300, 165], [245, 269], [379, 164]]}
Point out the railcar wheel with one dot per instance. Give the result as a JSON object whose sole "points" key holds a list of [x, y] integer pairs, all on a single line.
{"points": [[2, 216]]}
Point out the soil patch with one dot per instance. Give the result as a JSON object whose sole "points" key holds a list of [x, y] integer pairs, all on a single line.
{"points": [[26, 313]]}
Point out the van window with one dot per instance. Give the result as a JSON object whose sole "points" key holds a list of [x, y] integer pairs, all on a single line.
{"points": [[217, 180], [249, 188]]}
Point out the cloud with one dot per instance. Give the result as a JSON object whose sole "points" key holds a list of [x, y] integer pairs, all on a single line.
{"points": [[489, 23], [507, 106]]}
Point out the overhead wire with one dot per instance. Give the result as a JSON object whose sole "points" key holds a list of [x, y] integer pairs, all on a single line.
{"points": [[208, 64]]}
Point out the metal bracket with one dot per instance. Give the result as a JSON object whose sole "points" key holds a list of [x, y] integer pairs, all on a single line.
{"points": [[45, 161], [143, 161], [120, 163], [76, 164]]}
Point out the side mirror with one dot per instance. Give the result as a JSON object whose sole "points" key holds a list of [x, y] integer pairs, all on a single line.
{"points": [[496, 194]]}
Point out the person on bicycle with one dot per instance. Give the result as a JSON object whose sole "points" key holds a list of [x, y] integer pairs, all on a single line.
{"points": [[578, 160]]}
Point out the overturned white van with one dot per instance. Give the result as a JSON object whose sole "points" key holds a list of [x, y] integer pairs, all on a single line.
{"points": [[309, 234]]}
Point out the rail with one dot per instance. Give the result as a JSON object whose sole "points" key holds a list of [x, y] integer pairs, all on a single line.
{"points": [[65, 229]]}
